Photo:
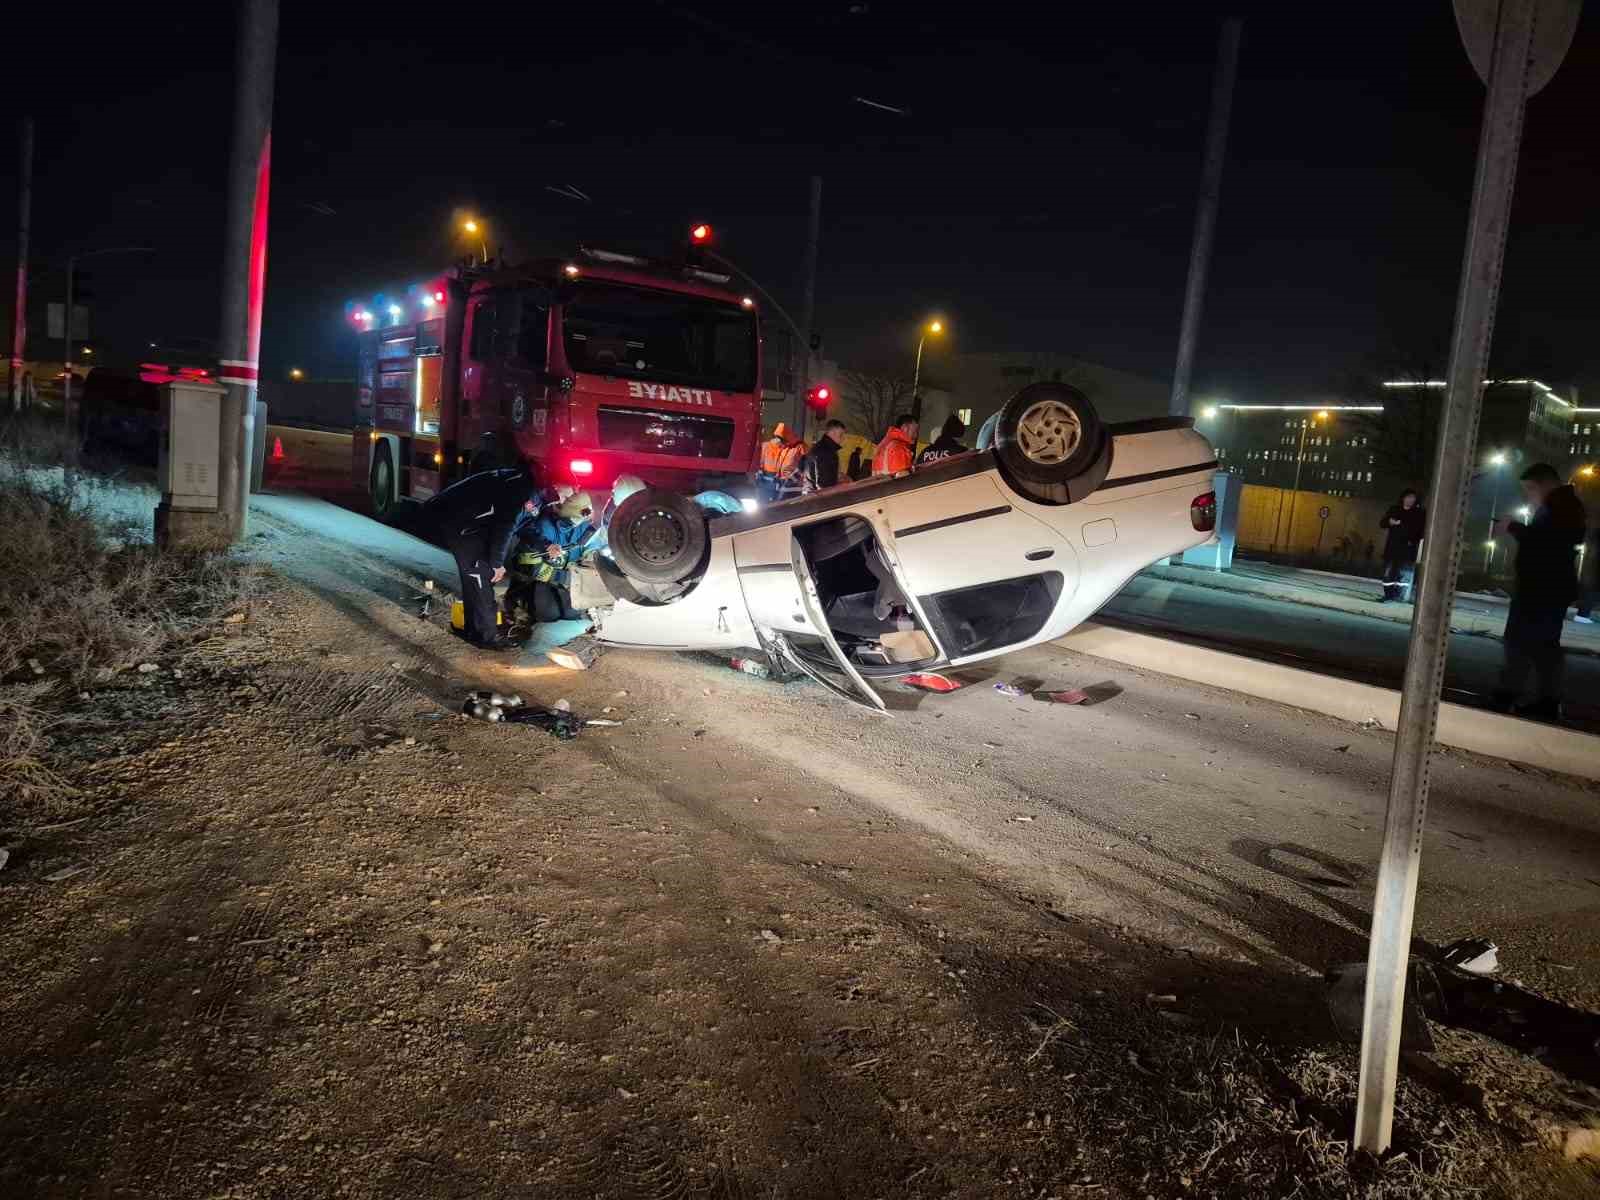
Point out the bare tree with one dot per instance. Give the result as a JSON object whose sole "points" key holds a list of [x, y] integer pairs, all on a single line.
{"points": [[1401, 437], [874, 400]]}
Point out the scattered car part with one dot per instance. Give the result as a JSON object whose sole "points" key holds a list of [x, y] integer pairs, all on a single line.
{"points": [[932, 681], [1478, 955], [577, 655], [1074, 696]]}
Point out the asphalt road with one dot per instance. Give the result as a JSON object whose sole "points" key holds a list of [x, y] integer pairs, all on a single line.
{"points": [[1235, 829]]}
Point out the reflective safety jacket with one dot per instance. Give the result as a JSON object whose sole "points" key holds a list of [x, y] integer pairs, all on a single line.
{"points": [[781, 459], [894, 453]]}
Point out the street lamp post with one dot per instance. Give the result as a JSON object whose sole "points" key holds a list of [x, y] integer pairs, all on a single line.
{"points": [[933, 327], [1299, 462], [471, 226], [1496, 461]]}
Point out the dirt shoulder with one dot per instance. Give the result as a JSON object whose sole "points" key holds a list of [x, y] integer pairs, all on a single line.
{"points": [[333, 939]]}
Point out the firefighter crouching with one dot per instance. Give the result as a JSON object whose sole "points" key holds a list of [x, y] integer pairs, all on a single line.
{"points": [[779, 476], [562, 537], [478, 519]]}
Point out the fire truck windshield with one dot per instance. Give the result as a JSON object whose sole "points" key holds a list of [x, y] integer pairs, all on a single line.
{"points": [[670, 337]]}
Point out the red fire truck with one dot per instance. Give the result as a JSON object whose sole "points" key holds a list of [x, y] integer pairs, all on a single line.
{"points": [[589, 367]]}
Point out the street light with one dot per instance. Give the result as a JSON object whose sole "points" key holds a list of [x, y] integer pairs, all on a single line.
{"points": [[296, 373], [1496, 461], [472, 228], [1299, 461], [932, 328]]}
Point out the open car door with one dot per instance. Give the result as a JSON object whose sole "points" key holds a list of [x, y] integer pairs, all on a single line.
{"points": [[774, 590]]}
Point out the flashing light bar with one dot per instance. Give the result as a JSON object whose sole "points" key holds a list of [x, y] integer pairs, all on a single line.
{"points": [[615, 256]]}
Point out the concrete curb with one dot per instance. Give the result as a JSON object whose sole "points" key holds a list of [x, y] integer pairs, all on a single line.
{"points": [[1577, 639], [1548, 746]]}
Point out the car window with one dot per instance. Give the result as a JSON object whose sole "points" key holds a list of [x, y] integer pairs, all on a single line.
{"points": [[975, 620]]}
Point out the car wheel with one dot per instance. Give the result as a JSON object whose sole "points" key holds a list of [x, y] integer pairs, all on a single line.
{"points": [[658, 536], [1048, 434], [384, 504]]}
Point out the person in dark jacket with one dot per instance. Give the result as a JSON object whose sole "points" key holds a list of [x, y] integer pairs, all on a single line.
{"points": [[857, 470], [478, 519], [948, 442], [822, 462], [1546, 582], [1403, 525]]}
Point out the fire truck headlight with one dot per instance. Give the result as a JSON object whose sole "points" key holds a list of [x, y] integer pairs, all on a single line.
{"points": [[749, 504]]}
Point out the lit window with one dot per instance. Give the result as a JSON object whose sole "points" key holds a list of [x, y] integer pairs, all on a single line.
{"points": [[1369, 476], [964, 415]]}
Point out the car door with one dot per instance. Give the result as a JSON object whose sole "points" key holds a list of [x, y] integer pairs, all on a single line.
{"points": [[781, 597], [986, 573]]}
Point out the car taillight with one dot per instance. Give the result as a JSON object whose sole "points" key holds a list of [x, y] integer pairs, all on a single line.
{"points": [[1203, 512], [581, 466]]}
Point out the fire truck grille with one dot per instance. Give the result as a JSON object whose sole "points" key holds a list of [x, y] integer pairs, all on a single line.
{"points": [[644, 431]]}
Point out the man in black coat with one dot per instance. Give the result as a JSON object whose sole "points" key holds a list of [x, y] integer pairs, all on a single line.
{"points": [[478, 519], [1546, 582], [1404, 525], [822, 463]]}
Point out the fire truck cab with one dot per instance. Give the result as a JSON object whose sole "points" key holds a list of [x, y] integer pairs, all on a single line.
{"points": [[588, 368]]}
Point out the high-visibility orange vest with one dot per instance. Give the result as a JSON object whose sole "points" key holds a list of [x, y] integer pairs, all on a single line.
{"points": [[791, 458], [894, 453], [772, 456]]}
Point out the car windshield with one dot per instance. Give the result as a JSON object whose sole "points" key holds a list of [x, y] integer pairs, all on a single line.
{"points": [[639, 333]]}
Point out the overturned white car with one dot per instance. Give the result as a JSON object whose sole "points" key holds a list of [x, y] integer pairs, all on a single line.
{"points": [[962, 560]]}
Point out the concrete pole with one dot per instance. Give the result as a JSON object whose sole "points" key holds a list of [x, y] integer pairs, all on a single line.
{"points": [[69, 411], [1205, 220], [19, 320], [244, 257], [808, 298], [1394, 903]]}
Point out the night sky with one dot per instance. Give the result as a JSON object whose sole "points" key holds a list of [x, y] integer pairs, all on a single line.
{"points": [[1038, 189]]}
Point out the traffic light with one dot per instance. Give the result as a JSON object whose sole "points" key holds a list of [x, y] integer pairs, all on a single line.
{"points": [[700, 235], [819, 397]]}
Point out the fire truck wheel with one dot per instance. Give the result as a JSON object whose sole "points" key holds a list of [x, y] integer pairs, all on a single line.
{"points": [[384, 503], [659, 536]]}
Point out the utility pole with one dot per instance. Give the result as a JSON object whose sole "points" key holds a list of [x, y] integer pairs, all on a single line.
{"points": [[19, 319], [1515, 47], [69, 409], [244, 257], [1205, 220], [808, 298]]}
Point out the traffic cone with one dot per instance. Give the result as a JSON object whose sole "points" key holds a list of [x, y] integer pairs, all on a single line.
{"points": [[277, 449]]}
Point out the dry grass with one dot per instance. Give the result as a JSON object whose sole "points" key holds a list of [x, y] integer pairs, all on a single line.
{"points": [[1223, 1115], [85, 596]]}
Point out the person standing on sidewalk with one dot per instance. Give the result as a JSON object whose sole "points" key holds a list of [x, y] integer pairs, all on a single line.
{"points": [[1404, 524], [1546, 582]]}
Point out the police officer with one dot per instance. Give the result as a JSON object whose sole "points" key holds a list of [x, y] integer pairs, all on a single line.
{"points": [[478, 520]]}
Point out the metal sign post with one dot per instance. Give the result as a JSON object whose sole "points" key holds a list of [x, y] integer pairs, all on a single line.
{"points": [[1508, 68]]}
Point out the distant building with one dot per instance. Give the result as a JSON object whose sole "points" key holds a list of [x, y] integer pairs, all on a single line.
{"points": [[1367, 450]]}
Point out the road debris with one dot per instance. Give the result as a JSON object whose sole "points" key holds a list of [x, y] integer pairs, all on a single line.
{"points": [[64, 874], [579, 654], [234, 619], [148, 668], [768, 935], [1071, 696], [1475, 954], [751, 666], [1345, 749], [1009, 689], [5, 857], [930, 681]]}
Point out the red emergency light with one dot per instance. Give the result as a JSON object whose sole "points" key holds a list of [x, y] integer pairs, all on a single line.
{"points": [[439, 296], [581, 466], [818, 397], [700, 235]]}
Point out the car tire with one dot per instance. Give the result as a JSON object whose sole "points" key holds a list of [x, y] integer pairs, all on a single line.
{"points": [[658, 537], [1048, 435], [381, 484]]}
